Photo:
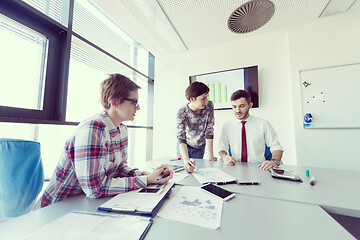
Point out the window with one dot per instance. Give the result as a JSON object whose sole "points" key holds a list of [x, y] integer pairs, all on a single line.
{"points": [[62, 63], [91, 23], [55, 9], [22, 65]]}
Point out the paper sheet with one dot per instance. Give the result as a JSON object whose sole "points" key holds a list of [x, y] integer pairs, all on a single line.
{"points": [[205, 175], [179, 176], [194, 206], [91, 226]]}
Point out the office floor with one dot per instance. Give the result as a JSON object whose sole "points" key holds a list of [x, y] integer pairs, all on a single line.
{"points": [[351, 224]]}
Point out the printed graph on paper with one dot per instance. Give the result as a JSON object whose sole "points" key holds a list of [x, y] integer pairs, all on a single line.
{"points": [[193, 205]]}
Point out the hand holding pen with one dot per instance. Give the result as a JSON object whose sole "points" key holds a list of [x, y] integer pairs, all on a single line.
{"points": [[161, 175], [190, 166]]}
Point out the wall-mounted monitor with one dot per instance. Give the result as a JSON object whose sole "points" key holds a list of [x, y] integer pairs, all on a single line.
{"points": [[223, 83]]}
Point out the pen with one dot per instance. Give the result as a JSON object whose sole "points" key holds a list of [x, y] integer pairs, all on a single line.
{"points": [[312, 180], [224, 183], [179, 170], [164, 176], [193, 165], [248, 183]]}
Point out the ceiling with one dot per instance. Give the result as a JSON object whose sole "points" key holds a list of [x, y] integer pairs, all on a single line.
{"points": [[203, 23]]}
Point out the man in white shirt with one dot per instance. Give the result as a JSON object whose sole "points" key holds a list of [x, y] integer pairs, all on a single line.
{"points": [[246, 136]]}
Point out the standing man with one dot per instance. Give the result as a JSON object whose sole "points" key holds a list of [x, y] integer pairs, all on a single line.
{"points": [[246, 136]]}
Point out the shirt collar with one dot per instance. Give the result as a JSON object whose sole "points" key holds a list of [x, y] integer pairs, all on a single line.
{"points": [[110, 125], [249, 119]]}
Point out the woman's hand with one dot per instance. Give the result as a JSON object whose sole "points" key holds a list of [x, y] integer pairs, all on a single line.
{"points": [[188, 167], [158, 173], [212, 158]]}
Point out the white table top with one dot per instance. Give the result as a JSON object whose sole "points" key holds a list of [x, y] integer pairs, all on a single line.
{"points": [[243, 217], [335, 190], [275, 209]]}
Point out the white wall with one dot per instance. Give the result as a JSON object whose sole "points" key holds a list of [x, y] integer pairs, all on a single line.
{"points": [[333, 41], [269, 52], [280, 56]]}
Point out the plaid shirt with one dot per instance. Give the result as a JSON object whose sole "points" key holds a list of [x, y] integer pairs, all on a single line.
{"points": [[94, 162]]}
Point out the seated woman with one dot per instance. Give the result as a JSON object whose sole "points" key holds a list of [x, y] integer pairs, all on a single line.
{"points": [[94, 159]]}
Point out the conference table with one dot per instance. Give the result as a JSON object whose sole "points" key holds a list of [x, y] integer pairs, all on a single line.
{"points": [[275, 209]]}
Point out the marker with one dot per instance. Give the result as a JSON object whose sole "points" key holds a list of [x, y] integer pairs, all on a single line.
{"points": [[312, 180], [164, 176], [193, 165], [179, 169]]}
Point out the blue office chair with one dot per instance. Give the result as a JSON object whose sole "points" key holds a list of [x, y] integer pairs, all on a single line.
{"points": [[267, 154], [21, 175]]}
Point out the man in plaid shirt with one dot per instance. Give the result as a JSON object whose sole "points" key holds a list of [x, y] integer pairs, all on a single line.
{"points": [[94, 160]]}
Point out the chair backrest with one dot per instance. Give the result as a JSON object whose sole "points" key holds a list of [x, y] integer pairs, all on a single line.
{"points": [[267, 154], [21, 175]]}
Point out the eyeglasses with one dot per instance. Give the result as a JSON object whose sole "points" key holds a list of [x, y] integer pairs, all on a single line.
{"points": [[133, 101]]}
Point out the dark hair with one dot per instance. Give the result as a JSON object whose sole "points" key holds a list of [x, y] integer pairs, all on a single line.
{"points": [[240, 94], [196, 89], [117, 87]]}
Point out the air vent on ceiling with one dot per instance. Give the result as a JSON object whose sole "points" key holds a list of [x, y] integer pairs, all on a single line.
{"points": [[251, 16]]}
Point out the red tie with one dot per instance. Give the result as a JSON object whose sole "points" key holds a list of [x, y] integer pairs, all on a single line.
{"points": [[243, 143]]}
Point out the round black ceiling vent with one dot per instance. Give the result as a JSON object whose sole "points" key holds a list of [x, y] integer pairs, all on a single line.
{"points": [[251, 16]]}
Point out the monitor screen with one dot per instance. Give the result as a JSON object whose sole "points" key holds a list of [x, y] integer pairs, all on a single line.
{"points": [[223, 83]]}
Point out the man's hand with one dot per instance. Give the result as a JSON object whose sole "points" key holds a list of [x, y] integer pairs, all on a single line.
{"points": [[266, 165], [228, 160]]}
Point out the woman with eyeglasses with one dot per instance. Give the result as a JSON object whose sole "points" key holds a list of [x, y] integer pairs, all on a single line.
{"points": [[94, 159]]}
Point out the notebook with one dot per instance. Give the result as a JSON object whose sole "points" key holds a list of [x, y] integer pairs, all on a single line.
{"points": [[137, 203]]}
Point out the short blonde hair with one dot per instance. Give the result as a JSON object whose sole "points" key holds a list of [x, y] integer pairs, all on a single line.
{"points": [[116, 87]]}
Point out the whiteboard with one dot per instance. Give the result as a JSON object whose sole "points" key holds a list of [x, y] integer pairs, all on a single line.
{"points": [[332, 96]]}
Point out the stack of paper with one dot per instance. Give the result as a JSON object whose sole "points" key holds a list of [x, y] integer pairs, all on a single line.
{"points": [[212, 175]]}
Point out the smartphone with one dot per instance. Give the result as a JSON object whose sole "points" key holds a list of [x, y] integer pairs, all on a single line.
{"points": [[283, 173], [150, 190], [218, 191]]}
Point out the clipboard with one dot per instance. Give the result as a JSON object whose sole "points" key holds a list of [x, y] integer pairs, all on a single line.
{"points": [[285, 175], [137, 204]]}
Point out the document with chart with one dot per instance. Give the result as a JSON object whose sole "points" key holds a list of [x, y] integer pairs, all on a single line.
{"points": [[212, 175], [194, 206]]}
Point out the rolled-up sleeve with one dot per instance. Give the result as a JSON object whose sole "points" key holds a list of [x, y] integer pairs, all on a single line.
{"points": [[181, 127], [209, 133], [271, 138]]}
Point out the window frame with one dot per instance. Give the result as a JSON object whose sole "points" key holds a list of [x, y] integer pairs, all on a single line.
{"points": [[57, 68]]}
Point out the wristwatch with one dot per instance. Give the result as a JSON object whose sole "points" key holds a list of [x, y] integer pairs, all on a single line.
{"points": [[276, 161]]}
